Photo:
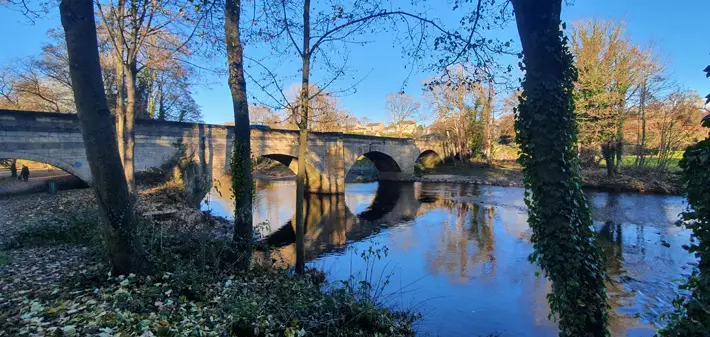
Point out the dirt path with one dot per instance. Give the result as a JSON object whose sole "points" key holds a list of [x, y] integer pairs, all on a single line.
{"points": [[37, 183]]}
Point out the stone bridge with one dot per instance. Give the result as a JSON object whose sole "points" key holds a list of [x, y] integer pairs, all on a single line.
{"points": [[55, 139]]}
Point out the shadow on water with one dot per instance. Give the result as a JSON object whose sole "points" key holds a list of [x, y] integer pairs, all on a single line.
{"points": [[459, 252]]}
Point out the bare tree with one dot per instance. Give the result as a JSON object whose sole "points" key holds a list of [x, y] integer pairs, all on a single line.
{"points": [[676, 122], [129, 26], [326, 113], [240, 165], [651, 84], [123, 245], [401, 107], [38, 83], [263, 115], [461, 106]]}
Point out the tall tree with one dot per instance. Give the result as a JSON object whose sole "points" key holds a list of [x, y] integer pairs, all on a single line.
{"points": [[563, 238], [401, 107], [263, 115], [129, 25], [325, 112], [675, 121], [38, 83], [123, 245], [487, 95], [459, 101], [306, 54], [240, 164], [609, 68], [651, 82]]}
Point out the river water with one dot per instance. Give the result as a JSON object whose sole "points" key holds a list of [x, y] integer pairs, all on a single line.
{"points": [[458, 253]]}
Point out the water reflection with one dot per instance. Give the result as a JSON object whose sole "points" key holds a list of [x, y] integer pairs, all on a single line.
{"points": [[459, 252]]}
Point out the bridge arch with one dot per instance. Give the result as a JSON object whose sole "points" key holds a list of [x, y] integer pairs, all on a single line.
{"points": [[81, 172], [428, 159], [383, 161], [314, 177]]}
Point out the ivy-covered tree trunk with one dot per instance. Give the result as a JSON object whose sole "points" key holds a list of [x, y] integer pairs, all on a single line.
{"points": [[240, 164], [123, 245], [563, 238]]}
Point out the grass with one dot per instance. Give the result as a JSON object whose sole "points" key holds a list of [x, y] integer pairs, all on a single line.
{"points": [[652, 161]]}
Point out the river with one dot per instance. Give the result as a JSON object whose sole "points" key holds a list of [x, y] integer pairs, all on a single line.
{"points": [[458, 253]]}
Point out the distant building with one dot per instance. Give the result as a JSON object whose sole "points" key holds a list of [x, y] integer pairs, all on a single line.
{"points": [[404, 127], [375, 127]]}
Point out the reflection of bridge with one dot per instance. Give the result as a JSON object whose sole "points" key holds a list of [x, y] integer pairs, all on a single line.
{"points": [[330, 223], [56, 139]]}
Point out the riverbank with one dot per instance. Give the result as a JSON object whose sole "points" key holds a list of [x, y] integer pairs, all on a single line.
{"points": [[54, 279], [510, 174]]}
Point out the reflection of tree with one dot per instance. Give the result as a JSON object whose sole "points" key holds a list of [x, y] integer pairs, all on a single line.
{"points": [[466, 242], [610, 238], [482, 231]]}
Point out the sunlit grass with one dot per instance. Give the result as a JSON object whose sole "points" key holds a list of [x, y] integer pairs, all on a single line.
{"points": [[651, 161]]}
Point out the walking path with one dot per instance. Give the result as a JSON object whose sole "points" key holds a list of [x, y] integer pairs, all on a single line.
{"points": [[36, 183]]}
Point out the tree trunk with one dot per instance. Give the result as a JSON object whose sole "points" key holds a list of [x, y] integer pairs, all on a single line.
{"points": [[151, 97], [123, 246], [563, 239], [161, 104], [129, 134], [619, 146], [13, 168], [488, 124], [241, 149], [303, 141], [120, 108], [608, 152], [642, 148]]}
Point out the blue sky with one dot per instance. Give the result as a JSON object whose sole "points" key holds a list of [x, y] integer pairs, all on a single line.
{"points": [[679, 30]]}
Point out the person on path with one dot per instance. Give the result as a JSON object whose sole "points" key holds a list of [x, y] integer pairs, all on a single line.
{"points": [[25, 173]]}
